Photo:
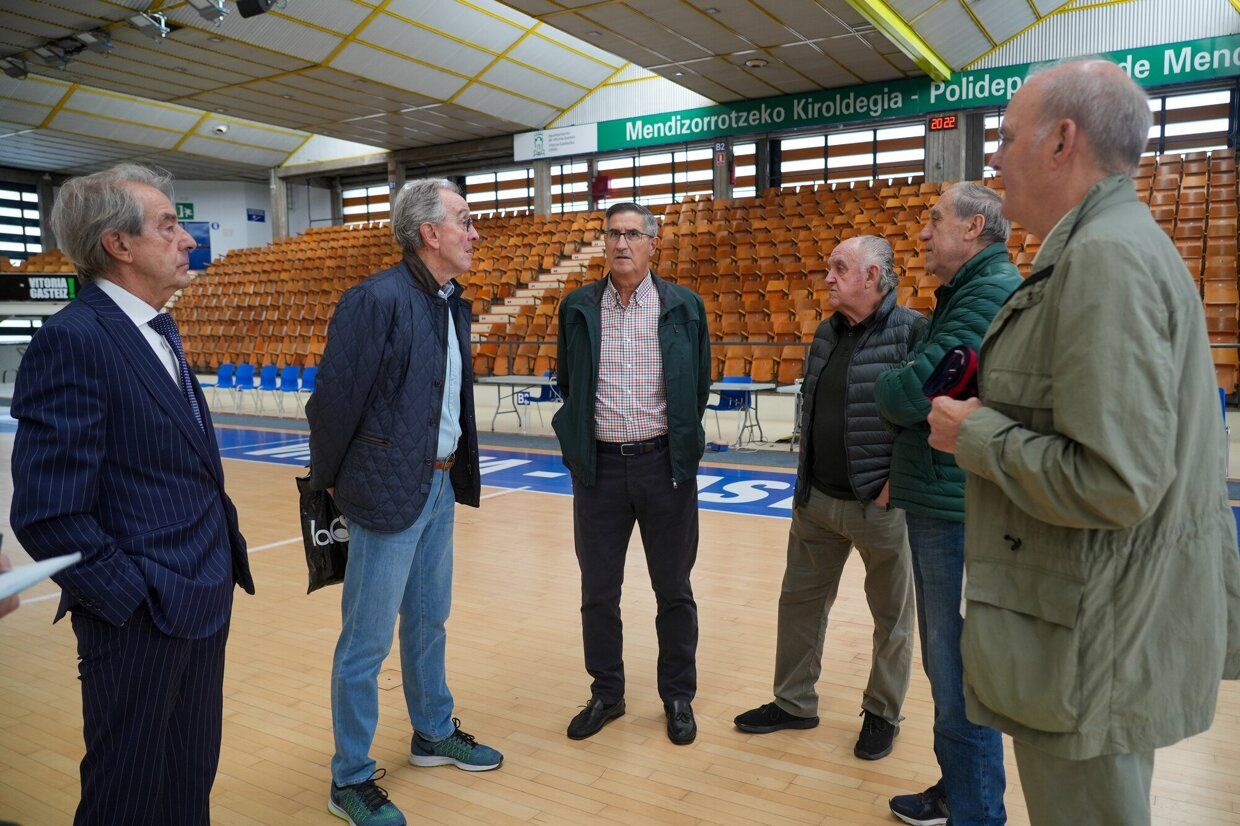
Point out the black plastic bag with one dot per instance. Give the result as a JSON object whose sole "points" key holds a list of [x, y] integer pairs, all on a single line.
{"points": [[325, 533]]}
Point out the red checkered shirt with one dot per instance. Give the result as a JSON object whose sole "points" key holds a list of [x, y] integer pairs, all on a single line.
{"points": [[630, 405]]}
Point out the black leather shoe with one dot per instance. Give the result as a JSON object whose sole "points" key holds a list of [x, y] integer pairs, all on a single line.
{"points": [[681, 727], [593, 717]]}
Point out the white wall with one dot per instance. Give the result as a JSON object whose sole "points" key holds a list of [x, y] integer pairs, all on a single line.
{"points": [[306, 203], [225, 203]]}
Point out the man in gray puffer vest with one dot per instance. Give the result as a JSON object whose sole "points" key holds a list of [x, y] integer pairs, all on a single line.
{"points": [[841, 501]]}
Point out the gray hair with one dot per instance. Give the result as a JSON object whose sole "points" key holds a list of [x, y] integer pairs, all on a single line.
{"points": [[974, 199], [90, 206], [651, 223], [875, 250], [418, 203], [1110, 109]]}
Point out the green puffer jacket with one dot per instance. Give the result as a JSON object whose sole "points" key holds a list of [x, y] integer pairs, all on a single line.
{"points": [[923, 480], [684, 342], [1103, 585]]}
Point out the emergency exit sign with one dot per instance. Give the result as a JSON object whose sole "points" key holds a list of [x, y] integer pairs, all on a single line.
{"points": [[185, 212]]}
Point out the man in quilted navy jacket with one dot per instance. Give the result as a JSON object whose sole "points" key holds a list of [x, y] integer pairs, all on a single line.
{"points": [[392, 436]]}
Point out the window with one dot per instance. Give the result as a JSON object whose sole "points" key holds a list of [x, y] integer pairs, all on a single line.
{"points": [[570, 187], [505, 191], [20, 233], [856, 155], [367, 203]]}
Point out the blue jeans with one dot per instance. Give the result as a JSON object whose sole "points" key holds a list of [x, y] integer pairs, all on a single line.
{"points": [[970, 756], [410, 573]]}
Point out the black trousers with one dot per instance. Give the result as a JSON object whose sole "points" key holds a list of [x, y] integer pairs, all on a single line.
{"points": [[637, 489], [152, 708]]}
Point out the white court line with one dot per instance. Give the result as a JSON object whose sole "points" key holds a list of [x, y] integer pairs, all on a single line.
{"points": [[26, 601], [264, 444], [504, 492], [271, 545]]}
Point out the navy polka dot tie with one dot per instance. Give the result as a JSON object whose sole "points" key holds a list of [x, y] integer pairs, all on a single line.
{"points": [[166, 327]]}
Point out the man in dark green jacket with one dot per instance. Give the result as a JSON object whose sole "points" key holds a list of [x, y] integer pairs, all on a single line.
{"points": [[964, 248], [634, 371]]}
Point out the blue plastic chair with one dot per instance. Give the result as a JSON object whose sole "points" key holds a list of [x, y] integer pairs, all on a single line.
{"points": [[223, 380], [266, 383], [242, 382], [738, 400], [546, 393], [307, 380], [290, 378]]}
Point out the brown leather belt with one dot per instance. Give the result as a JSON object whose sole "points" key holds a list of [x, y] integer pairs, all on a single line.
{"points": [[445, 464]]}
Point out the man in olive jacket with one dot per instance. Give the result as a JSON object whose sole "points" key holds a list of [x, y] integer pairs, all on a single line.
{"points": [[1103, 585], [964, 248], [634, 371]]}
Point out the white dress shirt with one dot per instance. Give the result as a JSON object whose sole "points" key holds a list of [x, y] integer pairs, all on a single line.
{"points": [[140, 313]]}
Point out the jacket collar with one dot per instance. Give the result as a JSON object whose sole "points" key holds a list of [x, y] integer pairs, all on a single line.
{"points": [[875, 319], [1107, 193], [152, 374], [668, 298], [422, 278], [970, 269]]}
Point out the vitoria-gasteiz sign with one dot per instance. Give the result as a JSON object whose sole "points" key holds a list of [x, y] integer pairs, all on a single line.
{"points": [[1192, 60]]}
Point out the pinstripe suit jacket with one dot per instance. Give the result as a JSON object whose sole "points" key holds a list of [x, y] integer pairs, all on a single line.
{"points": [[109, 461]]}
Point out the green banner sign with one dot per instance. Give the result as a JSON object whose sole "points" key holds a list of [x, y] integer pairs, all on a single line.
{"points": [[1195, 60], [185, 212]]}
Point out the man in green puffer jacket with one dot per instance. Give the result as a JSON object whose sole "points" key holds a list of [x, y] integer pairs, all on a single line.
{"points": [[1103, 591], [964, 248]]}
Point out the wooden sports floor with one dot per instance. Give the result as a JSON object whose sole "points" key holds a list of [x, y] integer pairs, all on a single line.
{"points": [[514, 665]]}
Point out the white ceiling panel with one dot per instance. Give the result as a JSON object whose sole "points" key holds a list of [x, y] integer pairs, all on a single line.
{"points": [[98, 102], [1003, 20], [216, 148], [29, 114], [573, 43], [909, 9], [461, 21], [256, 135], [341, 16], [534, 51], [367, 62], [952, 33], [34, 89], [495, 102], [513, 78], [267, 31], [427, 46], [106, 129]]}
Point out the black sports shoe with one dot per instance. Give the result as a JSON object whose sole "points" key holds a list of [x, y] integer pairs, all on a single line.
{"points": [[770, 717], [928, 808], [874, 742]]}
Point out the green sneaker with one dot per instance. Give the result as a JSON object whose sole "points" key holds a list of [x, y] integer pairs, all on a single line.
{"points": [[364, 804], [458, 749]]}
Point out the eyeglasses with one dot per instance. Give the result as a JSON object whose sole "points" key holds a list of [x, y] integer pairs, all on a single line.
{"points": [[630, 235]]}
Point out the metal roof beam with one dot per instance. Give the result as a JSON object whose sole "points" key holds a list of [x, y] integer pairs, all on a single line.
{"points": [[896, 29]]}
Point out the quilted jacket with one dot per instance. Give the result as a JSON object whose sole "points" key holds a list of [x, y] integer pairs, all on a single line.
{"points": [[883, 345], [374, 414], [923, 480]]}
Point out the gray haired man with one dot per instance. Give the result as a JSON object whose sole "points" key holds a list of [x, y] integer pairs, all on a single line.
{"points": [[841, 502], [1103, 593], [392, 435]]}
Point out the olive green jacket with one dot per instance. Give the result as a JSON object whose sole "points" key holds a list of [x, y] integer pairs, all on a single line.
{"points": [[1102, 588]]}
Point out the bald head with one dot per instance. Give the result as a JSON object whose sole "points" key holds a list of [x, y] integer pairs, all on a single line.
{"points": [[1110, 111]]}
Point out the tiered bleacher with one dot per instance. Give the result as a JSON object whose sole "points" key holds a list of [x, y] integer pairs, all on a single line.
{"points": [[759, 263]]}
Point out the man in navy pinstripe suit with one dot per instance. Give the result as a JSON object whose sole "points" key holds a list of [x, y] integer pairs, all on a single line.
{"points": [[115, 457]]}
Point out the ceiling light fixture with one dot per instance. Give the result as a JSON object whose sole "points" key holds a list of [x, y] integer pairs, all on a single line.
{"points": [[711, 10], [154, 24], [97, 41], [52, 55], [15, 67], [212, 11], [593, 33], [756, 62]]}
